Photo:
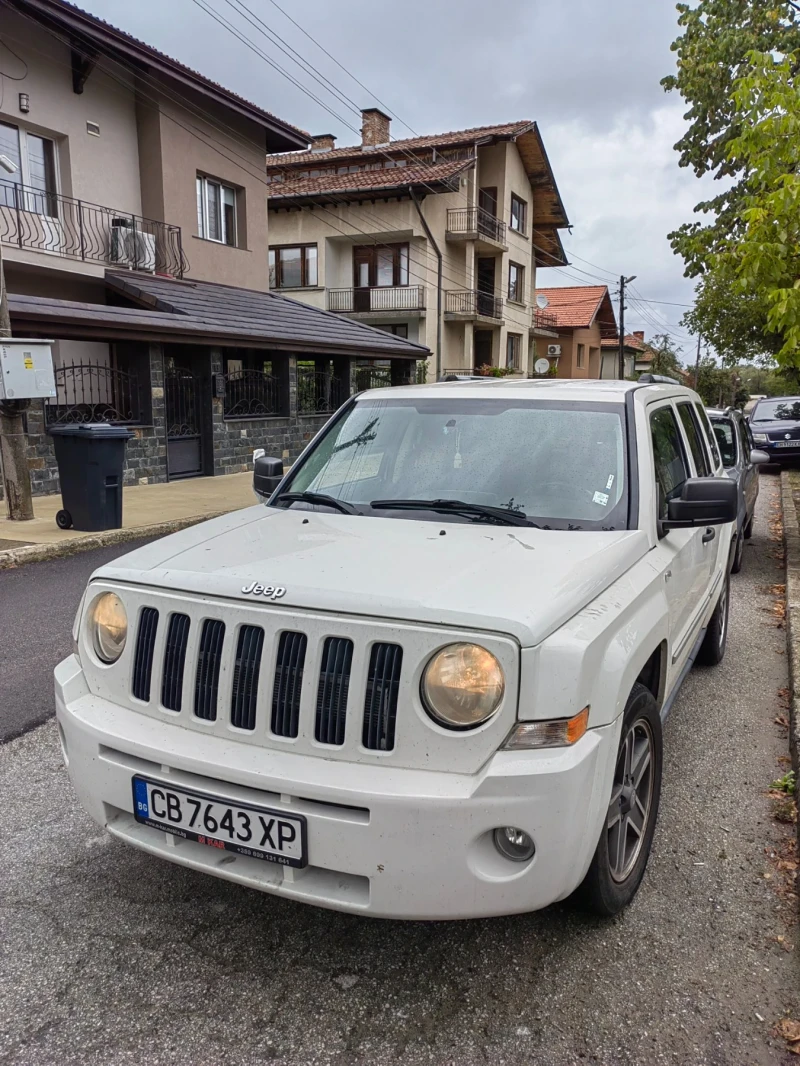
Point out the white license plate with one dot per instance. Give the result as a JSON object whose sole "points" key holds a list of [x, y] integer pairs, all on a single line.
{"points": [[258, 832], [785, 443]]}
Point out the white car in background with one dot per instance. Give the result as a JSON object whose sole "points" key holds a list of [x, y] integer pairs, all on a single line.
{"points": [[427, 678]]}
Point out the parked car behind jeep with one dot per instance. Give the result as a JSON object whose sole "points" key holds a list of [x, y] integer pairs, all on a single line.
{"points": [[741, 460], [775, 425]]}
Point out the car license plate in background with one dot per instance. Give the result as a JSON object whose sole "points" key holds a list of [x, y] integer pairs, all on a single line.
{"points": [[258, 832], [785, 443]]}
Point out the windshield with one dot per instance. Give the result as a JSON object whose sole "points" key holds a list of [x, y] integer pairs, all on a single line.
{"points": [[561, 464], [787, 409]]}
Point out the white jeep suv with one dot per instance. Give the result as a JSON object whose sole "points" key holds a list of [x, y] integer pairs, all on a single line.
{"points": [[427, 677]]}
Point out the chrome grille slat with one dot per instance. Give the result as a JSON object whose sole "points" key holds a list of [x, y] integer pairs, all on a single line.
{"points": [[209, 659], [332, 690], [380, 701], [174, 662], [244, 691], [143, 656], [287, 684]]}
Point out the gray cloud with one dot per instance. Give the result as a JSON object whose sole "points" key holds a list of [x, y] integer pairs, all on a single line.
{"points": [[588, 73]]}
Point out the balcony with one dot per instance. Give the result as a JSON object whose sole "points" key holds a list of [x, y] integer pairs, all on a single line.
{"points": [[73, 229], [469, 304], [377, 301], [544, 323], [476, 224]]}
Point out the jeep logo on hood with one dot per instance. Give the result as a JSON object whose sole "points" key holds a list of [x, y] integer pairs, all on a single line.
{"points": [[272, 592]]}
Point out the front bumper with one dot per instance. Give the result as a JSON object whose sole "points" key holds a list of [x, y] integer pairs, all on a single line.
{"points": [[382, 841]]}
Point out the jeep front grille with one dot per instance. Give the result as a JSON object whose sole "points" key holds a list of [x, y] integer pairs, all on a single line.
{"points": [[334, 684], [174, 660], [287, 683], [143, 656], [209, 660], [245, 677], [380, 704]]}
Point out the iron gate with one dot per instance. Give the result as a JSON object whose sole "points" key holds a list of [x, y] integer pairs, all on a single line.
{"points": [[182, 395]]}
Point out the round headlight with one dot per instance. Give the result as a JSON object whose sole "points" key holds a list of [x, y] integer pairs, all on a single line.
{"points": [[109, 624], [462, 686]]}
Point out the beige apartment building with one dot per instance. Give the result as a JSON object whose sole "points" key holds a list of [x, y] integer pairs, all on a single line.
{"points": [[435, 239], [134, 234]]}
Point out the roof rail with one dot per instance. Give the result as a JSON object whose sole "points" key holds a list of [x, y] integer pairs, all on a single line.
{"points": [[657, 379]]}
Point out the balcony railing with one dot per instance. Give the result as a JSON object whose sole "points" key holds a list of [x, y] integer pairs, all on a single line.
{"points": [[318, 391], [251, 394], [469, 222], [474, 304], [483, 370], [383, 298], [544, 319], [63, 226], [88, 392]]}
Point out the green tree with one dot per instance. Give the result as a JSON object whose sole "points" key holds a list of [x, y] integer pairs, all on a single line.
{"points": [[665, 356]]}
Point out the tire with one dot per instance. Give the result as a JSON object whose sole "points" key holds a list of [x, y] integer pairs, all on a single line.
{"points": [[747, 532], [622, 852], [738, 554], [63, 520], [712, 650]]}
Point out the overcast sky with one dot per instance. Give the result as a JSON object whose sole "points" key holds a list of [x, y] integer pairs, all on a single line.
{"points": [[587, 72]]}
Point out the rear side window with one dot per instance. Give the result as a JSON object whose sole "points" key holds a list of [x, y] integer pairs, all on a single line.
{"points": [[695, 437], [744, 438], [671, 470], [726, 440], [702, 414]]}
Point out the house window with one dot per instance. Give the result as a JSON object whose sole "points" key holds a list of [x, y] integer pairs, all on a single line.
{"points": [[516, 282], [519, 213], [399, 330], [35, 176], [512, 350], [380, 266], [293, 267], [581, 356], [216, 211]]}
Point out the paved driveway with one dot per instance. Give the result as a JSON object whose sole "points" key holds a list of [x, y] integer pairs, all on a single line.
{"points": [[111, 957]]}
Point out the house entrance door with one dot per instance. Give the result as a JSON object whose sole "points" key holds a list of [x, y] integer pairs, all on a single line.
{"points": [[485, 298], [482, 347], [183, 401]]}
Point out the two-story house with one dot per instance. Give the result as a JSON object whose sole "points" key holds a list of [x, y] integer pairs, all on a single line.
{"points": [[436, 239], [584, 336], [134, 233]]}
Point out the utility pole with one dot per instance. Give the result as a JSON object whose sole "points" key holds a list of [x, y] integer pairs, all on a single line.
{"points": [[623, 281], [13, 442], [697, 363]]}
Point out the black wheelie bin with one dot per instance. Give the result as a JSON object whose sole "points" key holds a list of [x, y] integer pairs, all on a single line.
{"points": [[90, 457]]}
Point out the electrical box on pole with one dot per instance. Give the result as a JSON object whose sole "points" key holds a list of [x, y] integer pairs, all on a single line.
{"points": [[26, 369]]}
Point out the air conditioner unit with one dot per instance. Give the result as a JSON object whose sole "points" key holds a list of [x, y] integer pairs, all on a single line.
{"points": [[554, 349], [132, 248]]}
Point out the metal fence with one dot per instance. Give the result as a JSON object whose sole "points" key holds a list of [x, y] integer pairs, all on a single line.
{"points": [[372, 377], [251, 394], [544, 319], [463, 221], [472, 302], [319, 392], [88, 392], [383, 298], [63, 226]]}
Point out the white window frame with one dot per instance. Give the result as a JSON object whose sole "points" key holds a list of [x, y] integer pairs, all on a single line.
{"points": [[24, 166], [514, 341], [202, 183]]}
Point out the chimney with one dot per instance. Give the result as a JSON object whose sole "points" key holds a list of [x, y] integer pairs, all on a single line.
{"points": [[323, 142], [639, 334], [374, 128]]}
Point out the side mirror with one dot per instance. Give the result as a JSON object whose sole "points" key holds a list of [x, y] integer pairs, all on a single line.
{"points": [[705, 501], [267, 475], [759, 457]]}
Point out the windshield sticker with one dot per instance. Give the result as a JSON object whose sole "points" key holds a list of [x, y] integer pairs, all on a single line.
{"points": [[610, 481], [601, 498]]}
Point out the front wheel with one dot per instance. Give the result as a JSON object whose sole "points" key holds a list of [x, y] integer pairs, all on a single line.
{"points": [[619, 862], [712, 650]]}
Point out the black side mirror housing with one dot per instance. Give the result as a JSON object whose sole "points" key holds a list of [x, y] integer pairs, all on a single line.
{"points": [[705, 501], [267, 475]]}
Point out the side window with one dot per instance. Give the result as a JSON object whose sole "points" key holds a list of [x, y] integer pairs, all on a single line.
{"points": [[744, 439], [671, 470], [702, 414], [695, 437], [726, 440]]}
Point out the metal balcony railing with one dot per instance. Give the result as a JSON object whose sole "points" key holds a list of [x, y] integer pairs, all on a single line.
{"points": [[318, 391], [473, 303], [251, 394], [75, 229], [378, 298], [468, 222], [544, 319], [90, 392]]}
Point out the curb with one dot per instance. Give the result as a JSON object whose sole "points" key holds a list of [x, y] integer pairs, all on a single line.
{"points": [[37, 553], [791, 546]]}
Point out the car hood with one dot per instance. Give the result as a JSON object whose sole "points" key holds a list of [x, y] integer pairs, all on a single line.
{"points": [[780, 425], [514, 580]]}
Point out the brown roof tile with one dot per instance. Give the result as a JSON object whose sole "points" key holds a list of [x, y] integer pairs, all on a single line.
{"points": [[574, 306], [368, 180]]}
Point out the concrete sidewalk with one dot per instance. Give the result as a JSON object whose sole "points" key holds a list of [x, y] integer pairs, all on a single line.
{"points": [[147, 510]]}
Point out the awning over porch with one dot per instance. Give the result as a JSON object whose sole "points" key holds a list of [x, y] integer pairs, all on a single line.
{"points": [[196, 312]]}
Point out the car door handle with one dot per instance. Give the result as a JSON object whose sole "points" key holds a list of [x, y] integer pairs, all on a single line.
{"points": [[709, 535]]}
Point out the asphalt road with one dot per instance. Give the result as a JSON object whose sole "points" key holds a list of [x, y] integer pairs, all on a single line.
{"points": [[37, 608], [111, 957]]}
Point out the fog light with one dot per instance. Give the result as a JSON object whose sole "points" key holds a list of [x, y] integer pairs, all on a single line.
{"points": [[514, 843]]}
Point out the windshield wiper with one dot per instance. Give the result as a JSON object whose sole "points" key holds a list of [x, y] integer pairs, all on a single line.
{"points": [[321, 498], [503, 515]]}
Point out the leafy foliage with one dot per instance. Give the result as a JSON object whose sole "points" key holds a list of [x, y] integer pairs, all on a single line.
{"points": [[665, 356]]}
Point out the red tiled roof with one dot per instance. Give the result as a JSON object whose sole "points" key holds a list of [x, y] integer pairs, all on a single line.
{"points": [[575, 306], [73, 16], [425, 174], [452, 139], [631, 341]]}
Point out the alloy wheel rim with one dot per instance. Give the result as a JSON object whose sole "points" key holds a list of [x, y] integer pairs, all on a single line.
{"points": [[631, 800]]}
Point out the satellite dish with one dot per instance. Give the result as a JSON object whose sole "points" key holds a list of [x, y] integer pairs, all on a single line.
{"points": [[542, 301], [541, 366]]}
